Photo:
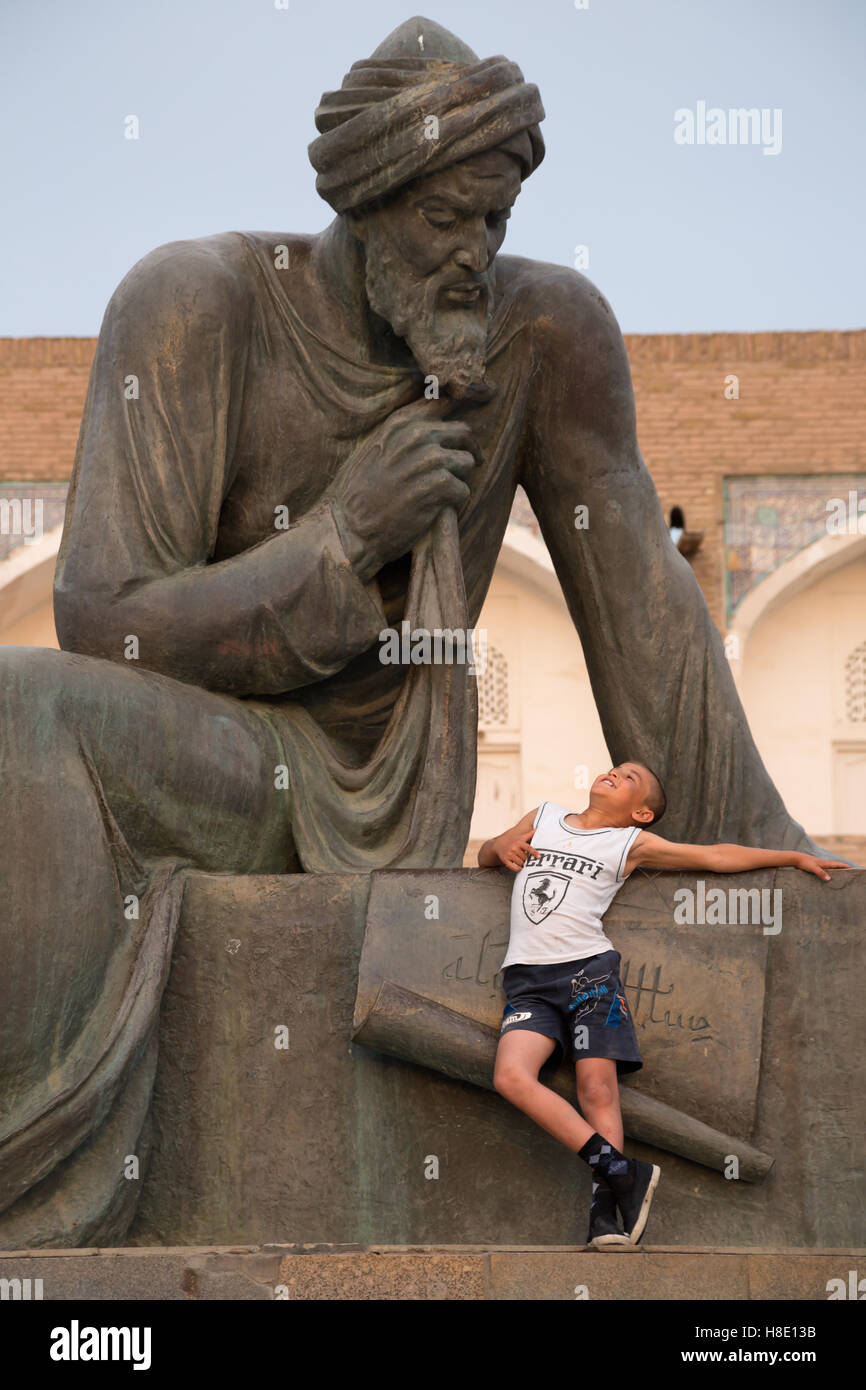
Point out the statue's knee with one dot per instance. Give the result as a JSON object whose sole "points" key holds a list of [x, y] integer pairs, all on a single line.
{"points": [[31, 676], [20, 664]]}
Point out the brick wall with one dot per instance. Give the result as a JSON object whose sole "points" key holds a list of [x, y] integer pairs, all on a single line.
{"points": [[801, 409], [43, 382]]}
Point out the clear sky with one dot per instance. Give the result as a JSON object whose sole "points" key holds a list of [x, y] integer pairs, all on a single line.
{"points": [[680, 237]]}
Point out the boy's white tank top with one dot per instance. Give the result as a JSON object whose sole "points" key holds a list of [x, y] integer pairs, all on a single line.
{"points": [[558, 901]]}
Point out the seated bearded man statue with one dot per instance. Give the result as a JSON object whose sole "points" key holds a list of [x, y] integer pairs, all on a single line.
{"points": [[289, 444]]}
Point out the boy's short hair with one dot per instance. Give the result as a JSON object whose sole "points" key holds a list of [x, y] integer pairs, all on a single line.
{"points": [[656, 799]]}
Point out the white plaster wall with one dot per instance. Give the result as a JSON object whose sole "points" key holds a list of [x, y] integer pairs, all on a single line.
{"points": [[792, 690], [35, 629], [27, 593], [559, 729]]}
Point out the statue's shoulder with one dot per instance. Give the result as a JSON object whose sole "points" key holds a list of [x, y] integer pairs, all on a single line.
{"points": [[568, 312], [210, 273]]}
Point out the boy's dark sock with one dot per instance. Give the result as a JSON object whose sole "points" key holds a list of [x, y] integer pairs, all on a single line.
{"points": [[608, 1165]]}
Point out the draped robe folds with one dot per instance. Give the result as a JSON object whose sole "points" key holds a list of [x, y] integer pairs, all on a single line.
{"points": [[212, 402]]}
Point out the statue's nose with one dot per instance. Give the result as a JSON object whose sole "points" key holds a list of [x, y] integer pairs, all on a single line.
{"points": [[474, 256]]}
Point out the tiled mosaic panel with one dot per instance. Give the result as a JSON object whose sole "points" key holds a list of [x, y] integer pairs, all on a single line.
{"points": [[768, 519]]}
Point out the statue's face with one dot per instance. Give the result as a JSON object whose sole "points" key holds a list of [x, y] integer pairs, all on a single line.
{"points": [[429, 253]]}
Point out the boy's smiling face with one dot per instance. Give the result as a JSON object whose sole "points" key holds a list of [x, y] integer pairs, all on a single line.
{"points": [[621, 794]]}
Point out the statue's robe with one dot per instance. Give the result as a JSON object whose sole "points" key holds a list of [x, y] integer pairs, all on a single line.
{"points": [[212, 403]]}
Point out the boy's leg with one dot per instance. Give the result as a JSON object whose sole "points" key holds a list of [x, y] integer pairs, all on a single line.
{"points": [[598, 1097], [519, 1058], [627, 1182]]}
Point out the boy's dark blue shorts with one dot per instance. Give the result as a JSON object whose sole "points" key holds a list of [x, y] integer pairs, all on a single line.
{"points": [[581, 1004]]}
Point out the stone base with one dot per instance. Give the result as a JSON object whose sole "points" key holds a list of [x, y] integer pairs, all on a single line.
{"points": [[328, 1141], [429, 1273]]}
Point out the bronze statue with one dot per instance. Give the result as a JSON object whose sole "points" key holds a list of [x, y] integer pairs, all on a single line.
{"points": [[290, 443]]}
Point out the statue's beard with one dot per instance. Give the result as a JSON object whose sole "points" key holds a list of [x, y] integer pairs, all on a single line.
{"points": [[448, 340]]}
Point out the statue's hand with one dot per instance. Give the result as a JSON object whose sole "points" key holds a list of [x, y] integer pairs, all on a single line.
{"points": [[391, 489]]}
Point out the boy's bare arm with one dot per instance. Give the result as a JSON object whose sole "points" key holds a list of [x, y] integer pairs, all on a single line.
{"points": [[511, 848], [652, 852]]}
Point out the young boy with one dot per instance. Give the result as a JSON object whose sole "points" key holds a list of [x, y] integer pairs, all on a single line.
{"points": [[561, 973]]}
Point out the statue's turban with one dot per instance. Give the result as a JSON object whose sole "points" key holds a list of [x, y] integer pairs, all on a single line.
{"points": [[376, 131]]}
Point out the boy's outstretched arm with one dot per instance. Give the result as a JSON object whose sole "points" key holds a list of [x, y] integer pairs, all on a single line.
{"points": [[652, 852], [511, 848]]}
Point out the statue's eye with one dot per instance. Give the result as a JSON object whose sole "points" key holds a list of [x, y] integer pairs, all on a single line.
{"points": [[443, 221], [498, 219]]}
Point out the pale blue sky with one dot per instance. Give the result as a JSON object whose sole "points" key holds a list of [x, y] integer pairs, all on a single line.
{"points": [[680, 238]]}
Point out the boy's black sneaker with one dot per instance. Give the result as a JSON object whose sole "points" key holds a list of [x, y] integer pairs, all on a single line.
{"points": [[634, 1205], [604, 1230]]}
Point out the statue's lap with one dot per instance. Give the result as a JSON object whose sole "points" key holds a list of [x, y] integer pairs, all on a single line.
{"points": [[192, 771], [110, 771]]}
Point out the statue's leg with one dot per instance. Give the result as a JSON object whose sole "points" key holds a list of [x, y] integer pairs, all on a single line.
{"points": [[115, 780], [662, 683]]}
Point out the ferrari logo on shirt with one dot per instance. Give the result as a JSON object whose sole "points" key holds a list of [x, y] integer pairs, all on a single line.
{"points": [[542, 892], [558, 859]]}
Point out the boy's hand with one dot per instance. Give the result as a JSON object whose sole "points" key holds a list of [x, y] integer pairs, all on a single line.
{"points": [[514, 850], [811, 864], [516, 838]]}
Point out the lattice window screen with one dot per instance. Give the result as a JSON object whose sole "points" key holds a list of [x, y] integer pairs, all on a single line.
{"points": [[493, 690], [855, 685]]}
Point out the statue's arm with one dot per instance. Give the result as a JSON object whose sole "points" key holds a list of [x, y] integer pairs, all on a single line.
{"points": [[632, 596], [583, 470], [151, 473], [662, 684]]}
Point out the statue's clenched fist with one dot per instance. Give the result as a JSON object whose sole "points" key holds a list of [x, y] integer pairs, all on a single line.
{"points": [[391, 489]]}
